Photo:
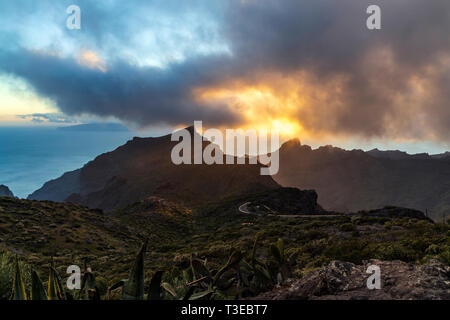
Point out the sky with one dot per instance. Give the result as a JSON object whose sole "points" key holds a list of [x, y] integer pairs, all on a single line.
{"points": [[309, 68]]}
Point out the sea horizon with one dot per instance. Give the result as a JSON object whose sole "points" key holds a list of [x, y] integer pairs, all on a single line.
{"points": [[31, 156]]}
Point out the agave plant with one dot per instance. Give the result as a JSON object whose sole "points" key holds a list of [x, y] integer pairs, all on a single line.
{"points": [[55, 290], [88, 290], [133, 286], [38, 291], [182, 288], [179, 288], [255, 274], [19, 292], [238, 277], [198, 282], [282, 266], [155, 292]]}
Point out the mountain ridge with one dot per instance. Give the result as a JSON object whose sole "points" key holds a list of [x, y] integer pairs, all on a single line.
{"points": [[5, 191], [356, 180], [345, 180], [141, 168]]}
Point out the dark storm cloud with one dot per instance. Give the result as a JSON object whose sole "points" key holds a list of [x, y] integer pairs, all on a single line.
{"points": [[134, 94], [328, 39], [332, 35]]}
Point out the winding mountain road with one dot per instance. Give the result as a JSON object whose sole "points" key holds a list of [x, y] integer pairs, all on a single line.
{"points": [[243, 208]]}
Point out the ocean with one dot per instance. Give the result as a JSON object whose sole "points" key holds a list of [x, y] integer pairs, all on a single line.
{"points": [[30, 156]]}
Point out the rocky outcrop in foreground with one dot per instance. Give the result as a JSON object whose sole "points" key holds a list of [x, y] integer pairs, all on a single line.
{"points": [[286, 201], [395, 212], [5, 192], [347, 281]]}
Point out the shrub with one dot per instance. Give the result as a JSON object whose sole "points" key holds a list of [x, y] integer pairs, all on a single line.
{"points": [[397, 252], [444, 256], [347, 227], [433, 249], [351, 250]]}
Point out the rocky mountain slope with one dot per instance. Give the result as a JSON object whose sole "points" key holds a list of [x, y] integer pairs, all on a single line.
{"points": [[345, 181], [356, 180], [39, 230], [36, 231], [142, 168], [5, 192]]}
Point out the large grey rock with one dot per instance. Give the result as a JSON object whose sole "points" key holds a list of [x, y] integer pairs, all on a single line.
{"points": [[347, 281]]}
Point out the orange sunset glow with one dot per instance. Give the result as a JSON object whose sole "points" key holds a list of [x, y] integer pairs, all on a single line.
{"points": [[273, 101]]}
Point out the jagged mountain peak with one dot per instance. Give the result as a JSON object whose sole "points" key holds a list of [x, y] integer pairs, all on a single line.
{"points": [[356, 180], [5, 192], [142, 168]]}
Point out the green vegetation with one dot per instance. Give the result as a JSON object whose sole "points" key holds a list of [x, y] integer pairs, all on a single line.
{"points": [[237, 278], [213, 249]]}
